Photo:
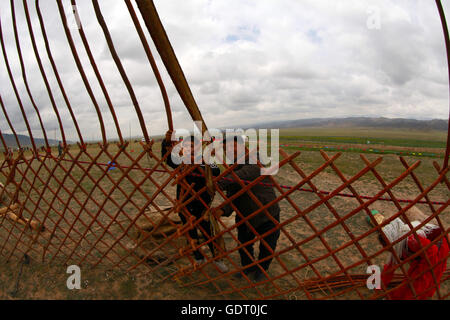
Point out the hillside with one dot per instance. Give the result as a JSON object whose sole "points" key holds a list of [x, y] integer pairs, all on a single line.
{"points": [[362, 122], [24, 141]]}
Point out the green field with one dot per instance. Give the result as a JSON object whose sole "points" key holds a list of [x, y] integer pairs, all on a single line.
{"points": [[386, 137], [43, 281]]}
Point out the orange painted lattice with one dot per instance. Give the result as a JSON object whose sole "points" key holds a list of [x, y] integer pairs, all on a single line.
{"points": [[73, 209]]}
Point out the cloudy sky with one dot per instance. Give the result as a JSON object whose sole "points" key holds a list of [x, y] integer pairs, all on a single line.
{"points": [[246, 62]]}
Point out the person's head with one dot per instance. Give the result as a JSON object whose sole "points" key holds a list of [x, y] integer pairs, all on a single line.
{"points": [[234, 145], [168, 136], [394, 231], [189, 144]]}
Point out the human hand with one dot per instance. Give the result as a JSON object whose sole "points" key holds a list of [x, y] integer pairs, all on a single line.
{"points": [[217, 212]]}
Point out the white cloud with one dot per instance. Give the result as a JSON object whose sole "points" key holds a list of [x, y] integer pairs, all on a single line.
{"points": [[246, 62]]}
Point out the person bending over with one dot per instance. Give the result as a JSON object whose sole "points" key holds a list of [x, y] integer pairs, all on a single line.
{"points": [[424, 285], [195, 208]]}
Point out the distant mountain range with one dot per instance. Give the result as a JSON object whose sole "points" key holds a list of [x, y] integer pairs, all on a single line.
{"points": [[363, 122], [435, 124], [25, 141]]}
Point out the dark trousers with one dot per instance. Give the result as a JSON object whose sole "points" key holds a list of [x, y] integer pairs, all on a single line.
{"points": [[205, 228], [245, 235]]}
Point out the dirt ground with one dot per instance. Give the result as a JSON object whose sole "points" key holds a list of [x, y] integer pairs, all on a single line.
{"points": [[41, 280]]}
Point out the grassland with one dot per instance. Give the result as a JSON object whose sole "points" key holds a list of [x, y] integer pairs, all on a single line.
{"points": [[387, 137], [43, 281]]}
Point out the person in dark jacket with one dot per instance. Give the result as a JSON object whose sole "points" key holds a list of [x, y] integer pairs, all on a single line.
{"points": [[246, 206], [195, 207]]}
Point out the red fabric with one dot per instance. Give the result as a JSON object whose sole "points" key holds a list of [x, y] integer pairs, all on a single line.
{"points": [[424, 284]]}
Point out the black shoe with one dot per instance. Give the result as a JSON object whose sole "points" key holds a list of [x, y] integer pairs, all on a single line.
{"points": [[239, 275], [258, 276]]}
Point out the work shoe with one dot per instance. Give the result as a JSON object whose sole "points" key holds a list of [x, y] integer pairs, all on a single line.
{"points": [[240, 276], [200, 261], [258, 276], [221, 265], [377, 216]]}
